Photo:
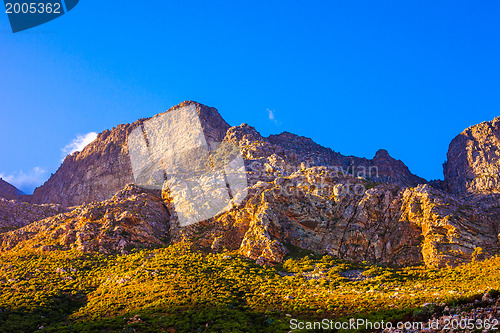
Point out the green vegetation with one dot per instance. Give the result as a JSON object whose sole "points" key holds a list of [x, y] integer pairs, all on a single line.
{"points": [[175, 289]]}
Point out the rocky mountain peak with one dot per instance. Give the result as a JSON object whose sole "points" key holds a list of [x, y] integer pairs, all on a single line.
{"points": [[103, 167], [382, 153], [214, 126], [296, 142], [299, 194], [8, 191], [394, 171], [473, 164]]}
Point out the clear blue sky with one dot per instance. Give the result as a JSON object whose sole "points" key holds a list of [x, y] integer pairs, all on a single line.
{"points": [[354, 76]]}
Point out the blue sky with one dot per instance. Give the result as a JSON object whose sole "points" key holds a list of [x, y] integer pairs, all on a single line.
{"points": [[354, 76]]}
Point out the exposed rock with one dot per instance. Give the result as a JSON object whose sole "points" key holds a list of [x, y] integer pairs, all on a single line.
{"points": [[319, 209], [283, 154], [322, 210], [487, 297], [473, 164], [300, 194], [103, 167], [132, 218], [8, 191], [452, 228], [92, 175], [393, 171], [15, 214]]}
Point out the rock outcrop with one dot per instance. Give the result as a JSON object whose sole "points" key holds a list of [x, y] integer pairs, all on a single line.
{"points": [[318, 208], [322, 210], [132, 218], [8, 191], [15, 214], [473, 164], [103, 167], [454, 230], [283, 154]]}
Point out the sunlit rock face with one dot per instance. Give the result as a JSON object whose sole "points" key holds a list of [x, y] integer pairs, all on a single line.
{"points": [[324, 211], [132, 218], [318, 208], [202, 178], [473, 164], [103, 167]]}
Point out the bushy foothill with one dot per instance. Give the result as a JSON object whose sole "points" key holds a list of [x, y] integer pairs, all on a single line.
{"points": [[176, 289]]}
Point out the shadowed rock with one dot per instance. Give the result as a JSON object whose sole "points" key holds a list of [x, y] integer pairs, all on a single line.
{"points": [[8, 191]]}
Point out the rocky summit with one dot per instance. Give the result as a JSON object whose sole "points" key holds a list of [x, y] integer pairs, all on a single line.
{"points": [[8, 191], [103, 167], [299, 195], [473, 164]]}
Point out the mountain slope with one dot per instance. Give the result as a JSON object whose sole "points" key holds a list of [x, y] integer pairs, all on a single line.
{"points": [[8, 191], [132, 218], [318, 209], [300, 195], [15, 214], [103, 167]]}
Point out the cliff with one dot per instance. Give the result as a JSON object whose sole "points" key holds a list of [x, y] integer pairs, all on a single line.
{"points": [[473, 164]]}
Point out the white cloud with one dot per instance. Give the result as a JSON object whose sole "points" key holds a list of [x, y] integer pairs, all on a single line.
{"points": [[79, 143], [26, 182], [272, 116]]}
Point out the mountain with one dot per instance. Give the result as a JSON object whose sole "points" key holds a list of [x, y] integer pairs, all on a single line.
{"points": [[8, 191], [15, 214], [300, 195], [103, 167], [286, 153], [473, 164], [318, 209]]}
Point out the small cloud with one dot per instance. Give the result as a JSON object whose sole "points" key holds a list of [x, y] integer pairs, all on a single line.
{"points": [[79, 143], [272, 117], [26, 182]]}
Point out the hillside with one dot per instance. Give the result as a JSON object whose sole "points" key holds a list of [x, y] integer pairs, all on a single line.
{"points": [[177, 289], [314, 234], [299, 194]]}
